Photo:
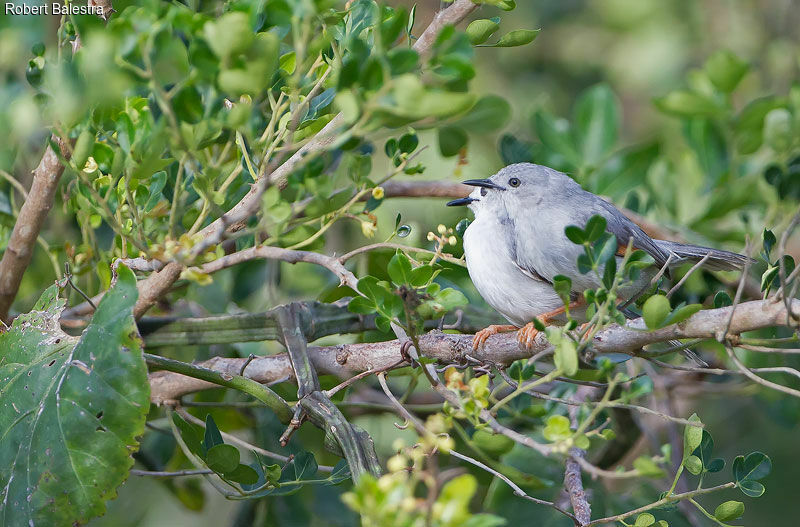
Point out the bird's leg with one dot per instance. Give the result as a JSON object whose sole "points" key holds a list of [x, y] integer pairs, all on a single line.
{"points": [[528, 332], [482, 335]]}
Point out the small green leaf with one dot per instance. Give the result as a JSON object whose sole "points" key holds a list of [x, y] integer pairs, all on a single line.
{"points": [[692, 437], [190, 434], [566, 356], [722, 299], [361, 305], [751, 488], [563, 287], [595, 228], [575, 234], [479, 31], [242, 474], [519, 37], [725, 70], [655, 311], [688, 104], [421, 275], [644, 520], [681, 313], [647, 467], [340, 473], [756, 465], [730, 510], [222, 458], [693, 465], [557, 428]]}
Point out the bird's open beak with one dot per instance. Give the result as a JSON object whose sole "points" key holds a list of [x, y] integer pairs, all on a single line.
{"points": [[461, 201], [484, 183]]}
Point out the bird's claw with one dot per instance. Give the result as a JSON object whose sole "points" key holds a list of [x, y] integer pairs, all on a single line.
{"points": [[480, 337], [527, 335]]}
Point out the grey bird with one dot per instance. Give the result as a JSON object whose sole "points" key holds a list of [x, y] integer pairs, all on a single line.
{"points": [[516, 245]]}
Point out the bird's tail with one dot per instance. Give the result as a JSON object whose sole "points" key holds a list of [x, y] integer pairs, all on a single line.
{"points": [[717, 261]]}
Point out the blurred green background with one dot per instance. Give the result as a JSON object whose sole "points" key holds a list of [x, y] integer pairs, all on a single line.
{"points": [[642, 49]]}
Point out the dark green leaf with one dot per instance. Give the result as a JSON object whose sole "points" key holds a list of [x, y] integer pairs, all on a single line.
{"points": [[512, 150], [222, 458], [596, 123], [190, 434], [490, 113], [402, 60], [242, 474], [575, 234], [399, 268], [212, 436], [563, 287], [451, 140], [595, 228], [340, 473], [722, 299]]}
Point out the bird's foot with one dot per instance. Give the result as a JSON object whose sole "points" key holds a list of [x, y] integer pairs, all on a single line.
{"points": [[480, 337], [526, 335]]}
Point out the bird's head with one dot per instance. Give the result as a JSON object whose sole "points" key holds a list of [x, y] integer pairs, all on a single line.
{"points": [[517, 187]]}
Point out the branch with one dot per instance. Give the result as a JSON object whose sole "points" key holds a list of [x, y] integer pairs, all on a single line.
{"points": [[29, 223], [152, 288], [346, 360]]}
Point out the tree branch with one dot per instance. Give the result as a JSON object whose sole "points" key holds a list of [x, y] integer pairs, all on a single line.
{"points": [[29, 223]]}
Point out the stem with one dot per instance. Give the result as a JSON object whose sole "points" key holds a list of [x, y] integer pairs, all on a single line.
{"points": [[249, 386]]}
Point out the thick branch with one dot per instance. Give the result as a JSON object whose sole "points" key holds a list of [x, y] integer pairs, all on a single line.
{"points": [[29, 223], [347, 360]]}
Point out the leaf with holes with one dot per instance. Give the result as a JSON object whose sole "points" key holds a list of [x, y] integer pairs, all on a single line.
{"points": [[72, 409]]}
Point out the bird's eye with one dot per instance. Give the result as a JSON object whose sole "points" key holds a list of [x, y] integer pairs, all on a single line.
{"points": [[484, 192], [514, 182]]}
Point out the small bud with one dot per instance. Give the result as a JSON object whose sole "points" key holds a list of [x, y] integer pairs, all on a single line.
{"points": [[431, 236], [91, 166], [378, 193], [452, 240], [441, 228], [368, 229], [396, 463]]}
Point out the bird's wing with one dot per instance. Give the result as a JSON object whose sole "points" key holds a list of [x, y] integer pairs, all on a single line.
{"points": [[624, 229]]}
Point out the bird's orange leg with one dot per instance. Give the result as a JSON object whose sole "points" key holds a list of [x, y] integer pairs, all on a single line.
{"points": [[528, 332], [482, 335]]}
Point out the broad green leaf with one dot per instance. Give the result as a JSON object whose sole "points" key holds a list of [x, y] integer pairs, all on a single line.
{"points": [[693, 465], [399, 269], [596, 123], [492, 444], [730, 510], [595, 228], [451, 140], [212, 436], [72, 409], [756, 465], [190, 434], [479, 31], [655, 311], [644, 520], [340, 473], [575, 234], [490, 113], [222, 458], [229, 34], [725, 70], [242, 474], [361, 305], [556, 135], [647, 467]]}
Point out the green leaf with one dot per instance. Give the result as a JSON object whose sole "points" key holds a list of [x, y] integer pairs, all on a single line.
{"points": [[728, 511], [190, 434], [693, 465], [490, 113], [340, 473], [575, 234], [751, 488], [402, 60], [644, 520], [557, 428], [242, 474], [725, 70], [655, 311], [222, 458], [722, 299], [647, 467], [756, 465], [682, 313], [212, 437], [688, 104], [421, 275], [451, 140], [595, 228], [778, 129], [399, 268], [563, 287], [361, 305], [83, 146], [515, 38], [229, 34], [596, 123], [555, 134], [479, 31], [72, 409], [566, 356], [692, 437]]}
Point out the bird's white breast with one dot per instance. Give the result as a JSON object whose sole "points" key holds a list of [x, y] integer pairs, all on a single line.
{"points": [[517, 296]]}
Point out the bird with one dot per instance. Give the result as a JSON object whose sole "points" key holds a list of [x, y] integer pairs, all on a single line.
{"points": [[517, 245]]}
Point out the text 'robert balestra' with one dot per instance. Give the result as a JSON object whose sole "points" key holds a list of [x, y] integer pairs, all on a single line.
{"points": [[53, 9]]}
